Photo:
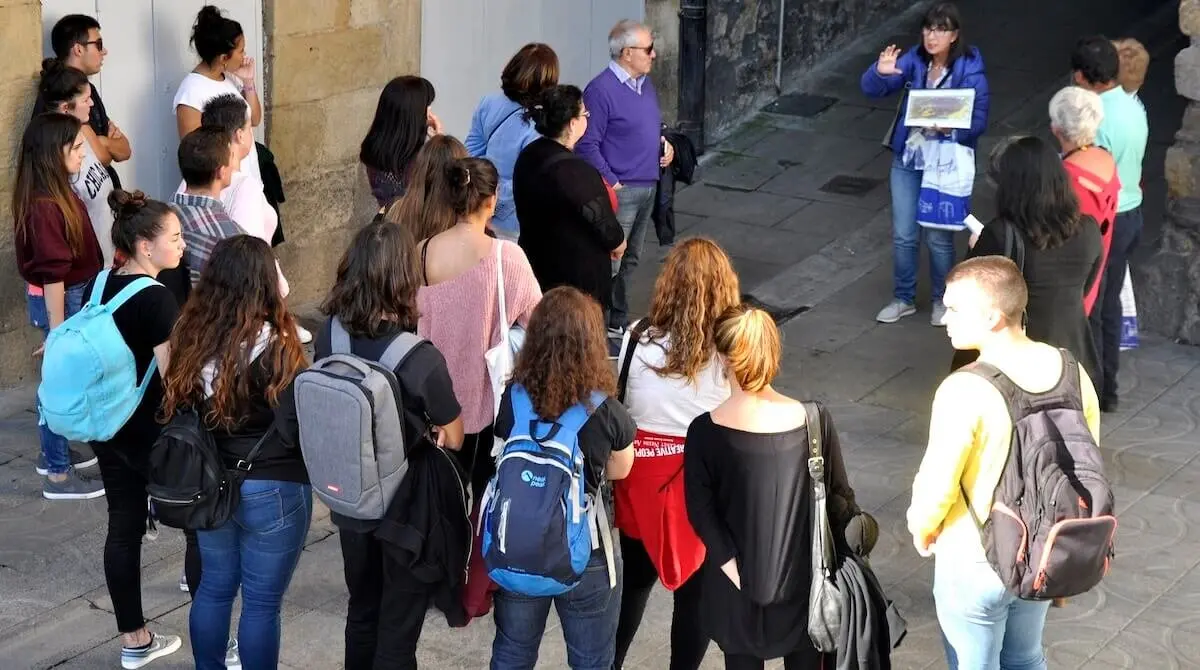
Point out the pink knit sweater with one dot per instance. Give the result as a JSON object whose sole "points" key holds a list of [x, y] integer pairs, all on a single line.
{"points": [[461, 318]]}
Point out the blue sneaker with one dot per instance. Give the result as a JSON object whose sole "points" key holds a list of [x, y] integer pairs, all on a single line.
{"points": [[160, 645], [78, 461]]}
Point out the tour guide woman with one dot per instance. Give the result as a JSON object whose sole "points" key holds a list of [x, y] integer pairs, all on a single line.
{"points": [[942, 60]]}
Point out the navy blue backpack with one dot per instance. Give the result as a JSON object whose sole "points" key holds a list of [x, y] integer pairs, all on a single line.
{"points": [[539, 523]]}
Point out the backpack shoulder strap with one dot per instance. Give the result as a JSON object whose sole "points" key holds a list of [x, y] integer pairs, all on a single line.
{"points": [[521, 406], [339, 339], [135, 287], [578, 414], [1070, 382], [399, 349], [635, 334], [98, 288], [1012, 394]]}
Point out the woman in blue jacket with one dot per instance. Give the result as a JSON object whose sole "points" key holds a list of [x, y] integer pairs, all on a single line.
{"points": [[942, 60], [499, 131]]}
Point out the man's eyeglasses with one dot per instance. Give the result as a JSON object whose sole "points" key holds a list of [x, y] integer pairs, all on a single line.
{"points": [[99, 44], [648, 49]]}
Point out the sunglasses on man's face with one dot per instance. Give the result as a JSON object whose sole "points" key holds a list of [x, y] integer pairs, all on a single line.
{"points": [[99, 44], [648, 49]]}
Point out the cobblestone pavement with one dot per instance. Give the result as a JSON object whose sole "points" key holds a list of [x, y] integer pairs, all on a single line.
{"points": [[795, 245]]}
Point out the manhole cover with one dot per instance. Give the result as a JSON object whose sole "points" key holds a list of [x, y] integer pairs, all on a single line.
{"points": [[845, 184], [800, 104]]}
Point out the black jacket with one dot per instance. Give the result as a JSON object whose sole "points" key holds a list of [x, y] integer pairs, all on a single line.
{"points": [[682, 169], [272, 186], [427, 530], [871, 624]]}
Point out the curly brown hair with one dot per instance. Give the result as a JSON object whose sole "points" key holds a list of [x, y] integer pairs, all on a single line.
{"points": [[238, 293], [565, 355], [696, 284]]}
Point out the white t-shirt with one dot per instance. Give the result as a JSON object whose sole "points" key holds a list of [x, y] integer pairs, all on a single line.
{"points": [[667, 405], [93, 185], [196, 90]]}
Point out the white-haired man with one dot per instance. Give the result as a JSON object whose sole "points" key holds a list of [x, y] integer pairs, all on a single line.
{"points": [[624, 142]]}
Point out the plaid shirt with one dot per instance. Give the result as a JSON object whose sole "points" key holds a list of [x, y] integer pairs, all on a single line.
{"points": [[205, 222]]}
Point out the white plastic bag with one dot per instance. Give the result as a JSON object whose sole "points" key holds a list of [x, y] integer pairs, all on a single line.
{"points": [[946, 183], [1129, 323]]}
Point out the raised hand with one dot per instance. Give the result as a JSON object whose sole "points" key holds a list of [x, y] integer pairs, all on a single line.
{"points": [[886, 65], [245, 71]]}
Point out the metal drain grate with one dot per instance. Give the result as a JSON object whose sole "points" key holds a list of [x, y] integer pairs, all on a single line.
{"points": [[850, 185], [800, 104]]}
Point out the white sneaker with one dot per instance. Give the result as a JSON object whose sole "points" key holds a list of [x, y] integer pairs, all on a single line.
{"points": [[233, 661], [938, 317], [894, 311], [160, 645], [304, 334]]}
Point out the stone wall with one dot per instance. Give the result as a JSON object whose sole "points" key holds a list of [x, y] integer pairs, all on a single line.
{"points": [[1170, 303], [20, 64], [743, 47], [663, 18], [328, 60]]}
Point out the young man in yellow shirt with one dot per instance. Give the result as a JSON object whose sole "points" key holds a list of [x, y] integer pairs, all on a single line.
{"points": [[984, 627]]}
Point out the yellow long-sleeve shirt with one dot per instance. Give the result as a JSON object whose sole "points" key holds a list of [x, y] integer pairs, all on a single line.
{"points": [[970, 433]]}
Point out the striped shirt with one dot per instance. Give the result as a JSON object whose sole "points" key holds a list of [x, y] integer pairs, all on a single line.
{"points": [[205, 222]]}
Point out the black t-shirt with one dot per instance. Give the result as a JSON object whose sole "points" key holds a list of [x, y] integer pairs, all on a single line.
{"points": [[426, 392], [608, 429], [145, 321]]}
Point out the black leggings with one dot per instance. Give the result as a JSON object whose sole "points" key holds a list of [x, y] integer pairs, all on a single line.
{"points": [[125, 491], [688, 641]]}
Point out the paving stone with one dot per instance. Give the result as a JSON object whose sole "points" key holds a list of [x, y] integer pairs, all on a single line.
{"points": [[740, 172], [747, 241], [759, 209]]}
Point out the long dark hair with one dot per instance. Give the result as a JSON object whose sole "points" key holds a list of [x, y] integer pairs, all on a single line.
{"points": [[42, 173], [945, 16], [376, 282], [1033, 191], [60, 83], [213, 35], [470, 181], [565, 355], [425, 207], [400, 125], [221, 321]]}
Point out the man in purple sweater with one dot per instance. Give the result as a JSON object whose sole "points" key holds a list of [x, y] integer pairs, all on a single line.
{"points": [[624, 142]]}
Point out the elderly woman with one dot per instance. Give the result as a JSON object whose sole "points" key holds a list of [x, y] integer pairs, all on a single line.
{"points": [[942, 59], [1075, 116]]}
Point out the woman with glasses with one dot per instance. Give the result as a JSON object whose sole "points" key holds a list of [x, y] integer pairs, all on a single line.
{"points": [[941, 60], [569, 228]]}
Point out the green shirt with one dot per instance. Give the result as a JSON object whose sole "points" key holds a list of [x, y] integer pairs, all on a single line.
{"points": [[1124, 132]]}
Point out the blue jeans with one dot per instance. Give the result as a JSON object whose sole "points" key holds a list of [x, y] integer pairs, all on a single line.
{"points": [[906, 239], [588, 614], [257, 549], [55, 448], [984, 627], [635, 204]]}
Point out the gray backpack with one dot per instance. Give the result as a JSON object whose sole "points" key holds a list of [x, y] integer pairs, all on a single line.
{"points": [[352, 426], [1051, 527]]}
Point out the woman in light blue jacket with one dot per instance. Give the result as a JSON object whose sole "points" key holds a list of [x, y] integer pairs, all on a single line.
{"points": [[499, 131]]}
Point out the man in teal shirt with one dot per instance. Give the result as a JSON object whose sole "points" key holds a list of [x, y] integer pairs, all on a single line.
{"points": [[1095, 64]]}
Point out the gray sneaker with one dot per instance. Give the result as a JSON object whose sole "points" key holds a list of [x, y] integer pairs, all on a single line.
{"points": [[74, 487], [894, 311], [938, 317], [160, 645]]}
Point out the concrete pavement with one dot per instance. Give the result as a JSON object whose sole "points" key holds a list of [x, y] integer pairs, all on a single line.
{"points": [[797, 241]]}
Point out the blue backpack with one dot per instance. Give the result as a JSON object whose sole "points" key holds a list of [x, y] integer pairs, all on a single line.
{"points": [[89, 383], [539, 522]]}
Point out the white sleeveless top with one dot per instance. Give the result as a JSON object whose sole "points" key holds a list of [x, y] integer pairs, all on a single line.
{"points": [[196, 90], [93, 185]]}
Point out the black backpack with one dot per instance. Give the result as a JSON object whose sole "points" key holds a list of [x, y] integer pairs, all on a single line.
{"points": [[1050, 530], [189, 485]]}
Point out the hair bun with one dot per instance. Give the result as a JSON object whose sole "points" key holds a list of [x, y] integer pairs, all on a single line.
{"points": [[126, 203], [209, 14], [51, 66], [458, 175]]}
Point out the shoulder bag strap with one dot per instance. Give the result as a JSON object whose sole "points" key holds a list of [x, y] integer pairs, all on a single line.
{"points": [[245, 464], [504, 325], [822, 532], [635, 334], [500, 125]]}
